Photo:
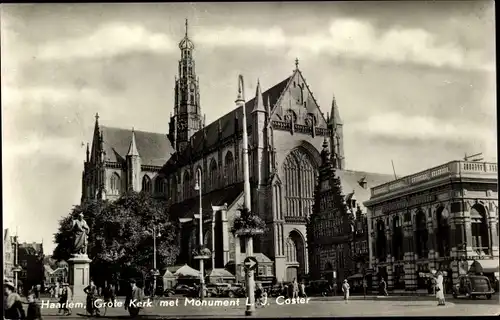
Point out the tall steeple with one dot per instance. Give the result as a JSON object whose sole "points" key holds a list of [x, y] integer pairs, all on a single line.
{"points": [[187, 118], [335, 125], [133, 165]]}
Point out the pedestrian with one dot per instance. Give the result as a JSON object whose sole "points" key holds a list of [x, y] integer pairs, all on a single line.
{"points": [[109, 294], [345, 290], [335, 289], [295, 292], [303, 289], [258, 295], [383, 287], [34, 312], [91, 291], [440, 288], [135, 295], [13, 306]]}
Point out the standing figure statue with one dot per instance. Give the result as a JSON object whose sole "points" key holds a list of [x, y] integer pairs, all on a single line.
{"points": [[81, 231]]}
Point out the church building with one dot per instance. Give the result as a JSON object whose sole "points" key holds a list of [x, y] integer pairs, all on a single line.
{"points": [[286, 130]]}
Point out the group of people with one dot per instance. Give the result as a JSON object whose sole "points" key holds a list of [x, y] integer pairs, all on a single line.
{"points": [[13, 304]]}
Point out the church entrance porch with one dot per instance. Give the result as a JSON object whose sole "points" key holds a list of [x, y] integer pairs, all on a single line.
{"points": [[291, 274], [295, 253]]}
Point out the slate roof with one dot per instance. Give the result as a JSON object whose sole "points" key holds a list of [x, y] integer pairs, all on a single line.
{"points": [[190, 207], [350, 182], [154, 148], [227, 123]]}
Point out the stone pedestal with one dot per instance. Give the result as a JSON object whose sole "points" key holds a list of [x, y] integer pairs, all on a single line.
{"points": [[79, 276]]}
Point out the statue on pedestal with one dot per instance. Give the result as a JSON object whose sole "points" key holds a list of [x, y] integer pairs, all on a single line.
{"points": [[81, 231]]}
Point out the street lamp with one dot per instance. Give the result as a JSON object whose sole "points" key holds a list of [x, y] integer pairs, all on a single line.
{"points": [[197, 187], [155, 272]]}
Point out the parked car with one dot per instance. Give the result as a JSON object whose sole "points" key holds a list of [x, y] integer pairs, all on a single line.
{"points": [[318, 288], [217, 289], [234, 290], [180, 289], [472, 286]]}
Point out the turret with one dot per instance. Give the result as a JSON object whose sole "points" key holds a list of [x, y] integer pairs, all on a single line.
{"points": [[336, 125], [133, 165], [259, 115]]}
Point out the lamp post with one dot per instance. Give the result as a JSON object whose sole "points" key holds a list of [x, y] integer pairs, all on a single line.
{"points": [[202, 277], [249, 275], [155, 272]]}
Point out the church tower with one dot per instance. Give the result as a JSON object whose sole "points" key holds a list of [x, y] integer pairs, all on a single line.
{"points": [[336, 125], [187, 117], [133, 166]]}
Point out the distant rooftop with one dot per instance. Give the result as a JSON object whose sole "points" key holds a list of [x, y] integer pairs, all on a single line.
{"points": [[463, 169]]}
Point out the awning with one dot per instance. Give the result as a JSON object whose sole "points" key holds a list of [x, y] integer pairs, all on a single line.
{"points": [[187, 272], [356, 276], [484, 266]]}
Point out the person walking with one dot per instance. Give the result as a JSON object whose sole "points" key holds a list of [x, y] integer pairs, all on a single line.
{"points": [[440, 288], [13, 306], [91, 291], [303, 289], [135, 295], [295, 292], [345, 290], [34, 312], [383, 287]]}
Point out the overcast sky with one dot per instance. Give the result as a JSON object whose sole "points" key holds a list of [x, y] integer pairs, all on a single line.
{"points": [[414, 82]]}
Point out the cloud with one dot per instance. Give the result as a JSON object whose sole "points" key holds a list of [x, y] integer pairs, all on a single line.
{"points": [[397, 126], [353, 38], [109, 40]]}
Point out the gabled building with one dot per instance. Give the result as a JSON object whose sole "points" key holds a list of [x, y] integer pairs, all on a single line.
{"points": [[30, 259], [8, 255], [286, 128]]}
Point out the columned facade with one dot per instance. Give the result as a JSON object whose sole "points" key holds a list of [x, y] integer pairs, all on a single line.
{"points": [[447, 218]]}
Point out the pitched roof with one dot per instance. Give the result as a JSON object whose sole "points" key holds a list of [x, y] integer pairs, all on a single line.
{"points": [[350, 181], [219, 272], [154, 148], [187, 271], [190, 207], [227, 123]]}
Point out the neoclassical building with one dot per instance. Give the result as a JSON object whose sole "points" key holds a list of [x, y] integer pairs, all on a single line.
{"points": [[443, 218], [286, 130]]}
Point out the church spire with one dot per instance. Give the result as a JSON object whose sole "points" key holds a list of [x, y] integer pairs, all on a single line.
{"points": [[259, 100], [132, 150], [334, 113], [187, 118]]}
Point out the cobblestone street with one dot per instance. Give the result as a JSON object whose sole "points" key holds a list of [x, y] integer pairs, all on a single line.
{"points": [[315, 308]]}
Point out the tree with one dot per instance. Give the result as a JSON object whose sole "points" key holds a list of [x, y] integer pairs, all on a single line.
{"points": [[121, 238]]}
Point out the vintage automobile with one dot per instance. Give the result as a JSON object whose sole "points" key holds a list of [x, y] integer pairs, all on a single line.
{"points": [[472, 286], [217, 289]]}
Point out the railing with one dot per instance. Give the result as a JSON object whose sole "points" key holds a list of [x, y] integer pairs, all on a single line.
{"points": [[449, 169]]}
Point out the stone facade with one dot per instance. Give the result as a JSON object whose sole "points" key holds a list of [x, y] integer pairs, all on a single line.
{"points": [[286, 130], [441, 218], [338, 228]]}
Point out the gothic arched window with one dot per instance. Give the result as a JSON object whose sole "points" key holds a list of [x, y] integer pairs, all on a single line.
{"points": [[443, 232], [160, 185], [381, 241], [291, 250], [187, 185], [213, 175], [174, 188], [146, 184], [397, 238], [115, 183], [421, 235], [300, 180], [229, 168], [479, 226]]}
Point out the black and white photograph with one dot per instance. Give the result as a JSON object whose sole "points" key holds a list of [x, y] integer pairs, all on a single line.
{"points": [[249, 159]]}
